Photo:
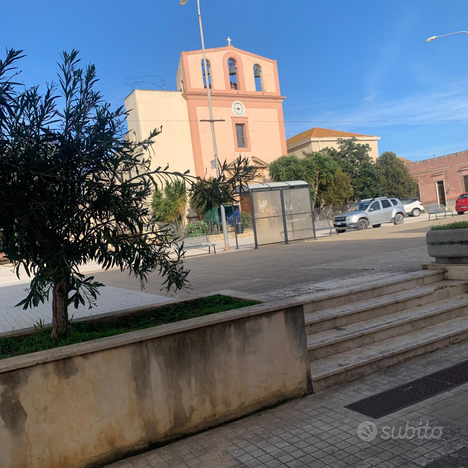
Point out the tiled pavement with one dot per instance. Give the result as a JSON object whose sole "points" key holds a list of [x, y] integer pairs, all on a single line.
{"points": [[110, 300], [318, 431]]}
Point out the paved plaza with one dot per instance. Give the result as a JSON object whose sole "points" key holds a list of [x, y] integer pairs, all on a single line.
{"points": [[269, 271], [318, 431], [298, 265]]}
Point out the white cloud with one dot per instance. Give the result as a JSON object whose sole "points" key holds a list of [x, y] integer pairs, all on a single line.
{"points": [[446, 103]]}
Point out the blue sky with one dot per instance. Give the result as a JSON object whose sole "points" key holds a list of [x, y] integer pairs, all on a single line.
{"points": [[360, 66]]}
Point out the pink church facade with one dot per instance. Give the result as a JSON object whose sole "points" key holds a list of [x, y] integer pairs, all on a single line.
{"points": [[247, 107]]}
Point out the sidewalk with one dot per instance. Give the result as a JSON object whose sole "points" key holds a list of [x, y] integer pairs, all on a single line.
{"points": [[318, 431], [110, 299]]}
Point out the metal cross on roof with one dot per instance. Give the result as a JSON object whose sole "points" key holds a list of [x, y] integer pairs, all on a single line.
{"points": [[229, 40]]}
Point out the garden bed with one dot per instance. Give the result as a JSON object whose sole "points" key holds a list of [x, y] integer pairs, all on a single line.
{"points": [[94, 329], [447, 227], [448, 243]]}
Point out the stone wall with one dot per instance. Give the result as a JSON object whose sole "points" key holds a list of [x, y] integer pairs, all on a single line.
{"points": [[90, 404]]}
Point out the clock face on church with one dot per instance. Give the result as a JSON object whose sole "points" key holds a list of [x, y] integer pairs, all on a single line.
{"points": [[238, 108]]}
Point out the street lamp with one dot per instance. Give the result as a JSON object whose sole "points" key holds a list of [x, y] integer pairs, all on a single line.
{"points": [[432, 38], [213, 134]]}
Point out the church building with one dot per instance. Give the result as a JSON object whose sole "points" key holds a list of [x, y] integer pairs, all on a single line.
{"points": [[247, 109]]}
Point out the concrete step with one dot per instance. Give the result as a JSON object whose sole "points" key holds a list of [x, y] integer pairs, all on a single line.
{"points": [[349, 365], [344, 315], [356, 335], [372, 289]]}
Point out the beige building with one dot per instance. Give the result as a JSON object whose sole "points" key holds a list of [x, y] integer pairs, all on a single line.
{"points": [[247, 107], [317, 139]]}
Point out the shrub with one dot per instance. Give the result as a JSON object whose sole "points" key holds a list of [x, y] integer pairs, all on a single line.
{"points": [[246, 219], [459, 225], [197, 228], [169, 203]]}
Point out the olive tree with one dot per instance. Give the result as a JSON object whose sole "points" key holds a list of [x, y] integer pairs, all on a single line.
{"points": [[74, 190]]}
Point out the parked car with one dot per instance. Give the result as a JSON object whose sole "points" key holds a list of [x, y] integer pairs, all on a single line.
{"points": [[413, 207], [373, 211], [461, 205]]}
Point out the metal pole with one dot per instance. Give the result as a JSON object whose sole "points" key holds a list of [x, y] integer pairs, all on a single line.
{"points": [[285, 226], [312, 210], [213, 134], [253, 218]]}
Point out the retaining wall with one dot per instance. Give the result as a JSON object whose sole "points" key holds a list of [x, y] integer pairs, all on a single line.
{"points": [[90, 404]]}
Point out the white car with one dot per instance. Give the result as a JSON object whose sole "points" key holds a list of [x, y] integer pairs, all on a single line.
{"points": [[413, 207]]}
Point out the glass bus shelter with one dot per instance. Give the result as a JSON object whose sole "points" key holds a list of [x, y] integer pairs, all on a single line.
{"points": [[281, 212]]}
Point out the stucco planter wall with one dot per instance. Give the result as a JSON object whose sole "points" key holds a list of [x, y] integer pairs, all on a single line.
{"points": [[448, 246], [92, 403]]}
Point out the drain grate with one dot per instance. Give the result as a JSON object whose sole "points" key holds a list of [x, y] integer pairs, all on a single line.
{"points": [[397, 398]]}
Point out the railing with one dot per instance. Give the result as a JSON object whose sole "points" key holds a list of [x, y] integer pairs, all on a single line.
{"points": [[329, 212]]}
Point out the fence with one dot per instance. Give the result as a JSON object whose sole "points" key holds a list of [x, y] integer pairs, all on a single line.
{"points": [[329, 212]]}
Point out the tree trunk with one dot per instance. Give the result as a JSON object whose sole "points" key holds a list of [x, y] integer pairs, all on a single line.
{"points": [[60, 323]]}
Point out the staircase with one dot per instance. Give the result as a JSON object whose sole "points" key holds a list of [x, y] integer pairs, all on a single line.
{"points": [[361, 329]]}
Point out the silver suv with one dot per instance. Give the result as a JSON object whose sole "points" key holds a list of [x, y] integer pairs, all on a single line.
{"points": [[373, 211]]}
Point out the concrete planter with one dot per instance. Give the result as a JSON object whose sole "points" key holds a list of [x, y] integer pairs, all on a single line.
{"points": [[449, 246], [92, 403]]}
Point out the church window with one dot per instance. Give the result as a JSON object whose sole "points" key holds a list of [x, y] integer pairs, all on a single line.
{"points": [[240, 134], [232, 68], [258, 77], [208, 68]]}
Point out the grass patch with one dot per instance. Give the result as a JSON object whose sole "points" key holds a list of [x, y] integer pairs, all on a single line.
{"points": [[40, 340], [459, 225]]}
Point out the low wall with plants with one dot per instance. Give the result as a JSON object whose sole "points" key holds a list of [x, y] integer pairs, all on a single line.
{"points": [[448, 243], [91, 403]]}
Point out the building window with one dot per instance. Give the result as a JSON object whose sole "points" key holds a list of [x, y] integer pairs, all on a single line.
{"points": [[465, 183], [441, 192], [258, 77], [232, 69], [208, 68], [240, 135]]}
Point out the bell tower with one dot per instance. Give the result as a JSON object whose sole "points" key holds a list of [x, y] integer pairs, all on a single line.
{"points": [[247, 105]]}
